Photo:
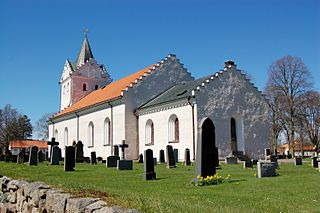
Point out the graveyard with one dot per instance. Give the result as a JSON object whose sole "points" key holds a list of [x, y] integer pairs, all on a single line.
{"points": [[294, 189]]}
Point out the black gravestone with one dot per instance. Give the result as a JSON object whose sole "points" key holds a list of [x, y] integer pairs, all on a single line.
{"points": [[176, 155], [40, 156], [254, 162], [187, 161], [115, 150], [79, 152], [112, 161], [149, 173], [298, 161], [69, 158], [314, 162], [55, 155], [247, 164], [140, 158], [93, 158], [161, 156], [123, 146], [170, 159], [274, 159], [216, 157], [33, 157], [52, 143], [20, 157], [267, 152]]}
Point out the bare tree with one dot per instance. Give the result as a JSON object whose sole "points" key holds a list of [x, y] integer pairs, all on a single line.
{"points": [[290, 78], [42, 126]]}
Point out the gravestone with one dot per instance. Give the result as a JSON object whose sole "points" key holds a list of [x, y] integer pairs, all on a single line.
{"points": [[267, 152], [20, 157], [254, 162], [176, 155], [155, 161], [314, 162], [298, 161], [124, 164], [161, 156], [318, 164], [40, 156], [247, 164], [52, 143], [231, 160], [79, 152], [274, 159], [187, 161], [140, 158], [115, 150], [55, 155], [99, 159], [171, 163], [93, 158], [33, 157], [266, 169], [112, 161], [149, 173], [123, 146], [69, 158]]}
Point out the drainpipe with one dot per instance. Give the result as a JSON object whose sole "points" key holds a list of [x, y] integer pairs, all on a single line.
{"points": [[193, 131], [77, 126], [111, 128]]}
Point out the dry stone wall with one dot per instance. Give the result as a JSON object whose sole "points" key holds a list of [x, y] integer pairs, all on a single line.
{"points": [[38, 197]]}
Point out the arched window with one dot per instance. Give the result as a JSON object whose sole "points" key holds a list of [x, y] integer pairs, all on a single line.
{"points": [[64, 89], [84, 87], [68, 87], [65, 136], [107, 131], [149, 132], [174, 129], [96, 87], [90, 134]]}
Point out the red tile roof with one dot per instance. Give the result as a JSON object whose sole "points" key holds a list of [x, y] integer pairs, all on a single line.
{"points": [[296, 147], [109, 92], [29, 143]]}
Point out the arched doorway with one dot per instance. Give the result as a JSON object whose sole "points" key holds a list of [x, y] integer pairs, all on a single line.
{"points": [[207, 156]]}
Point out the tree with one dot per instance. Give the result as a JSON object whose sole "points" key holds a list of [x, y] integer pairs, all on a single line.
{"points": [[289, 79], [42, 126], [13, 126]]}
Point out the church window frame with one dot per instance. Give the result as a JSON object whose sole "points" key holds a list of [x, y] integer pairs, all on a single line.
{"points": [[173, 129], [68, 85], [66, 136], [149, 134], [90, 134], [107, 132], [84, 87], [96, 87]]}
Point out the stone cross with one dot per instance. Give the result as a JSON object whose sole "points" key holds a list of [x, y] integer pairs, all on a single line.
{"points": [[123, 146], [52, 143]]}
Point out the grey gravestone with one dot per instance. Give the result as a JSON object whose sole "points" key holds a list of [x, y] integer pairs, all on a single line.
{"points": [[116, 150], [274, 159], [155, 161], [161, 156], [149, 173], [266, 169], [267, 152], [187, 161], [55, 155], [112, 161], [40, 156], [314, 162], [33, 157], [93, 158], [176, 155], [247, 164], [171, 163], [20, 157], [140, 158], [124, 164], [69, 158], [254, 162], [298, 161], [231, 160], [123, 146], [79, 152]]}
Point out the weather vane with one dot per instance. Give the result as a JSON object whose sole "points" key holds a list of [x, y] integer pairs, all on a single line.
{"points": [[85, 32]]}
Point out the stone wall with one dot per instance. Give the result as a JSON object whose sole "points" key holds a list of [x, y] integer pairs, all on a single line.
{"points": [[34, 197]]}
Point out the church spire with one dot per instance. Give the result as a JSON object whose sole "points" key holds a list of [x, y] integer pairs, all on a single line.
{"points": [[85, 52]]}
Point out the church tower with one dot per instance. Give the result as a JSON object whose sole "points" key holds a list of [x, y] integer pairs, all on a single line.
{"points": [[82, 77]]}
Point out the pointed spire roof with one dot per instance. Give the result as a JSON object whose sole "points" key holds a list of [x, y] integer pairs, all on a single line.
{"points": [[85, 53]]}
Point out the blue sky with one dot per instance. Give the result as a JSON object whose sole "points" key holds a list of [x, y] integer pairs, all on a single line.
{"points": [[36, 38]]}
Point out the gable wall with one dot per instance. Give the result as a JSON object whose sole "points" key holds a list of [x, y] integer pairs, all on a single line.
{"points": [[231, 95]]}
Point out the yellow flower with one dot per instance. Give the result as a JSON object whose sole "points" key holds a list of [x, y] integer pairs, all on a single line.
{"points": [[198, 176]]}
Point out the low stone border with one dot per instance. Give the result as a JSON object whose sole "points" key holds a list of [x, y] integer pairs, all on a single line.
{"points": [[38, 197]]}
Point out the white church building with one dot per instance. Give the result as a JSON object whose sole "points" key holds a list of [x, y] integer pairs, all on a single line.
{"points": [[158, 106]]}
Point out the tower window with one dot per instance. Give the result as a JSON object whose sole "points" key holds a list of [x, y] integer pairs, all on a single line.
{"points": [[84, 87], [96, 87]]}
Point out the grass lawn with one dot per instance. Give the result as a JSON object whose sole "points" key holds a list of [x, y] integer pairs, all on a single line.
{"points": [[296, 189]]}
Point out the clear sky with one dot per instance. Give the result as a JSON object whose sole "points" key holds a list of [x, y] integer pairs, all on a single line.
{"points": [[36, 38]]}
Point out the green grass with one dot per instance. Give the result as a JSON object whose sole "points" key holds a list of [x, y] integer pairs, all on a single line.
{"points": [[296, 189]]}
